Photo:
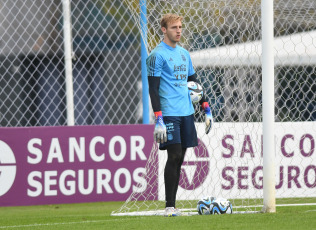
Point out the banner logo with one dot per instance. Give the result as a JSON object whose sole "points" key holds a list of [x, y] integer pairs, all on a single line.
{"points": [[7, 168], [195, 170]]}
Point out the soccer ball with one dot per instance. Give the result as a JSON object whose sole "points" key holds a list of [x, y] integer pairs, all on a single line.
{"points": [[221, 206], [212, 205], [203, 205], [196, 91]]}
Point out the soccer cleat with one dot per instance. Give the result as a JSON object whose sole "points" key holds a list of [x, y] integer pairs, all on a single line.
{"points": [[171, 211]]}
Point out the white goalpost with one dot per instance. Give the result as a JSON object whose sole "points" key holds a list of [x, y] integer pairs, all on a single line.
{"points": [[257, 66], [68, 62], [268, 106]]}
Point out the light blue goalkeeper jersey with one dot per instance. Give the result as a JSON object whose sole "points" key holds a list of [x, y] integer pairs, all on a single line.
{"points": [[173, 65]]}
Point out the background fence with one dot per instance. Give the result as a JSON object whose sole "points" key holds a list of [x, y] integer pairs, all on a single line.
{"points": [[106, 60], [106, 63]]}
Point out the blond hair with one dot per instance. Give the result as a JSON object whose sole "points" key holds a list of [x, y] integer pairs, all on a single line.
{"points": [[167, 18]]}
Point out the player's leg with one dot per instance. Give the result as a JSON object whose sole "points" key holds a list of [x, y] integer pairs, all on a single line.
{"points": [[188, 139], [175, 159], [172, 172], [179, 171]]}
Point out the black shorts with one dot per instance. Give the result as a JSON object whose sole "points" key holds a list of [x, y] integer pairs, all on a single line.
{"points": [[180, 130]]}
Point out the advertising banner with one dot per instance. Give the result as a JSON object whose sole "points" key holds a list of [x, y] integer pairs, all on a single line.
{"points": [[53, 165], [48, 165]]}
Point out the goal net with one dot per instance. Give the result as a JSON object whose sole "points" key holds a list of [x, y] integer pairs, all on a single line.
{"points": [[224, 41]]}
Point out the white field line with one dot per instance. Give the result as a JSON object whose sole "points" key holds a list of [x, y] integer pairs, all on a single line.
{"points": [[296, 204], [311, 210]]}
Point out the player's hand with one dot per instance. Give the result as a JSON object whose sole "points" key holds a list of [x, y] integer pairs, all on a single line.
{"points": [[160, 133], [208, 117]]}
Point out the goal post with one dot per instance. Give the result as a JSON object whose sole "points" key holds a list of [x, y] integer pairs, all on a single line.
{"points": [[268, 106], [68, 62], [143, 38], [261, 91]]}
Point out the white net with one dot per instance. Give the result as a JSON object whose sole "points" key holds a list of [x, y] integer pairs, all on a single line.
{"points": [[224, 40]]}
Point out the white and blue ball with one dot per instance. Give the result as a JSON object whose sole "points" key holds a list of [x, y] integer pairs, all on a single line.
{"points": [[221, 206], [214, 206], [203, 205], [195, 91]]}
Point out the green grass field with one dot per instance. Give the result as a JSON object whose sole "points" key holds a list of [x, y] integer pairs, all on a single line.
{"points": [[97, 216]]}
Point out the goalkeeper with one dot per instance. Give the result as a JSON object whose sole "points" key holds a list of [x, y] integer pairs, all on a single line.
{"points": [[169, 68]]}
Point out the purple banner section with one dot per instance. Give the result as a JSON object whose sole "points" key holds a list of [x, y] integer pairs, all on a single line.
{"points": [[53, 165]]}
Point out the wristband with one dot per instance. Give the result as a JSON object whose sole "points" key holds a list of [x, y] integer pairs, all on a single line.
{"points": [[158, 114], [205, 105]]}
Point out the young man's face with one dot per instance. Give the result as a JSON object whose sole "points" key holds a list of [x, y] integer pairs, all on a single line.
{"points": [[173, 31]]}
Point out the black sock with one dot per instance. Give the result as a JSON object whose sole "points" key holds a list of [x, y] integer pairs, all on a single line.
{"points": [[172, 172]]}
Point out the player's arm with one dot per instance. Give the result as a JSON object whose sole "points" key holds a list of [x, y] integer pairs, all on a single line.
{"points": [[154, 83], [154, 67], [206, 107], [160, 133]]}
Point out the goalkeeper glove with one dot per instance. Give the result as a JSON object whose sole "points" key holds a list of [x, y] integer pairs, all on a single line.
{"points": [[208, 117], [160, 133]]}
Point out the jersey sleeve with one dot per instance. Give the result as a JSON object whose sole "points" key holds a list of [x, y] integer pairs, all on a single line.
{"points": [[154, 83], [154, 64]]}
